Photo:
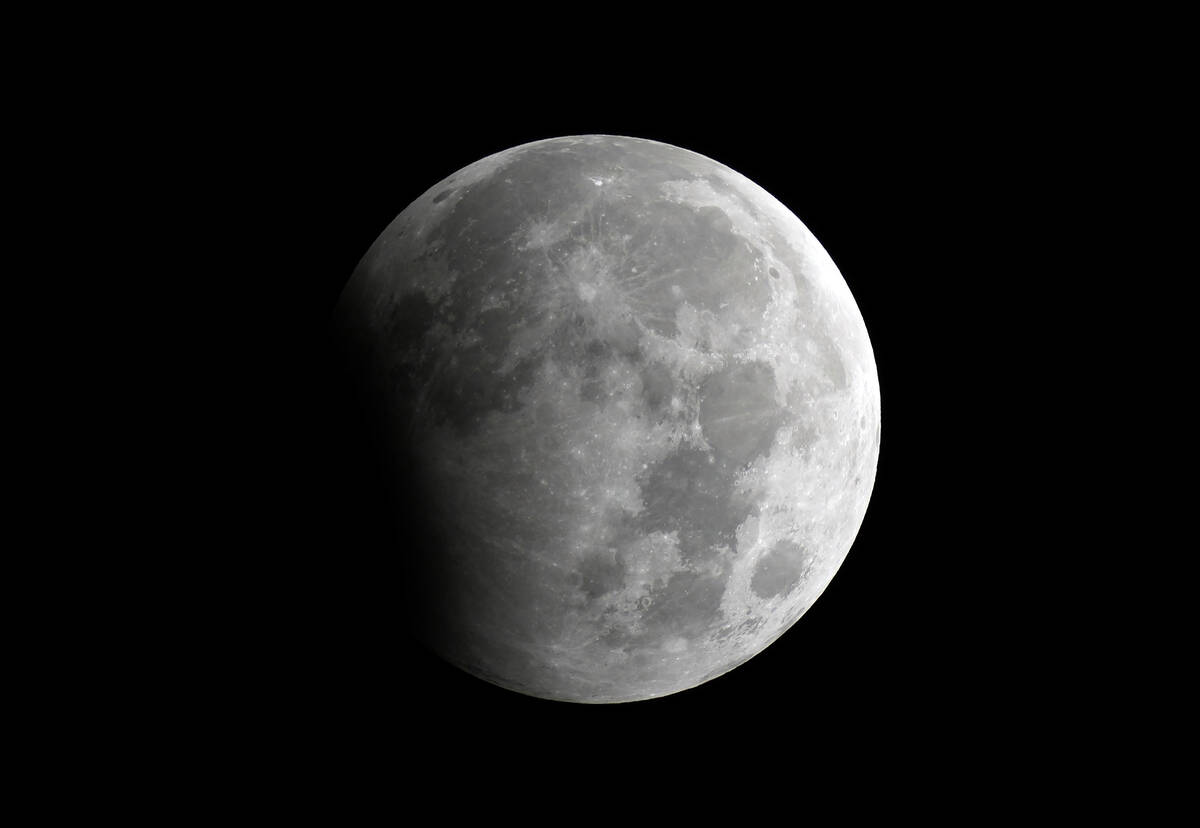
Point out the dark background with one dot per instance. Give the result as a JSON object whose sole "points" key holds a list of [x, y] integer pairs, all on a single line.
{"points": [[919, 638], [246, 164]]}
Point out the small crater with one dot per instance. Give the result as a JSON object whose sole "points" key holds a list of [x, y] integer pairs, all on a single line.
{"points": [[774, 273]]}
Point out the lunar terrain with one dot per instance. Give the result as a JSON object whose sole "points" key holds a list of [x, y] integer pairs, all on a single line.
{"points": [[631, 409]]}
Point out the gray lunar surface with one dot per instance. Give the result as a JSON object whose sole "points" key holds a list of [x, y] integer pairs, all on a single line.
{"points": [[637, 404]]}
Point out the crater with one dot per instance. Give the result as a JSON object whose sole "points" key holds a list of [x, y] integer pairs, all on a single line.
{"points": [[443, 195]]}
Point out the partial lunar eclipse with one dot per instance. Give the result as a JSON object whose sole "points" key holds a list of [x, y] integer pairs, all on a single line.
{"points": [[636, 403]]}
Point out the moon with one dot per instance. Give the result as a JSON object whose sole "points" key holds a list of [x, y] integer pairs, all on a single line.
{"points": [[629, 411]]}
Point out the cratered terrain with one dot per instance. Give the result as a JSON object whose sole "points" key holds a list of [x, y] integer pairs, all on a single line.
{"points": [[629, 408]]}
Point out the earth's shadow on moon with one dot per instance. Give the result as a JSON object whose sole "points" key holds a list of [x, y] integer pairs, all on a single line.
{"points": [[508, 621], [388, 624], [387, 618]]}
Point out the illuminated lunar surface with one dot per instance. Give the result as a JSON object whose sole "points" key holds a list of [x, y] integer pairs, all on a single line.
{"points": [[635, 404]]}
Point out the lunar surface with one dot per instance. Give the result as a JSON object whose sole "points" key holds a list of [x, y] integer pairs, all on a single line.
{"points": [[631, 412]]}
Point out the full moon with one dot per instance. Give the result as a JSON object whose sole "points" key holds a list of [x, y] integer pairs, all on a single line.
{"points": [[629, 410]]}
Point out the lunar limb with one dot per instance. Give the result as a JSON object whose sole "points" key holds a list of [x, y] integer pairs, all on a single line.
{"points": [[637, 405]]}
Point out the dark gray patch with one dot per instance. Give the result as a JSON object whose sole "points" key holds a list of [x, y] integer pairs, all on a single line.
{"points": [[738, 412], [407, 320], [715, 267], [774, 273], [592, 390], [443, 195], [462, 395], [617, 638], [687, 494], [601, 574], [686, 606], [827, 358], [745, 628], [479, 227], [720, 185], [569, 337], [715, 221], [600, 359], [780, 570], [596, 354], [551, 441], [658, 386], [670, 244], [676, 236], [835, 367]]}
